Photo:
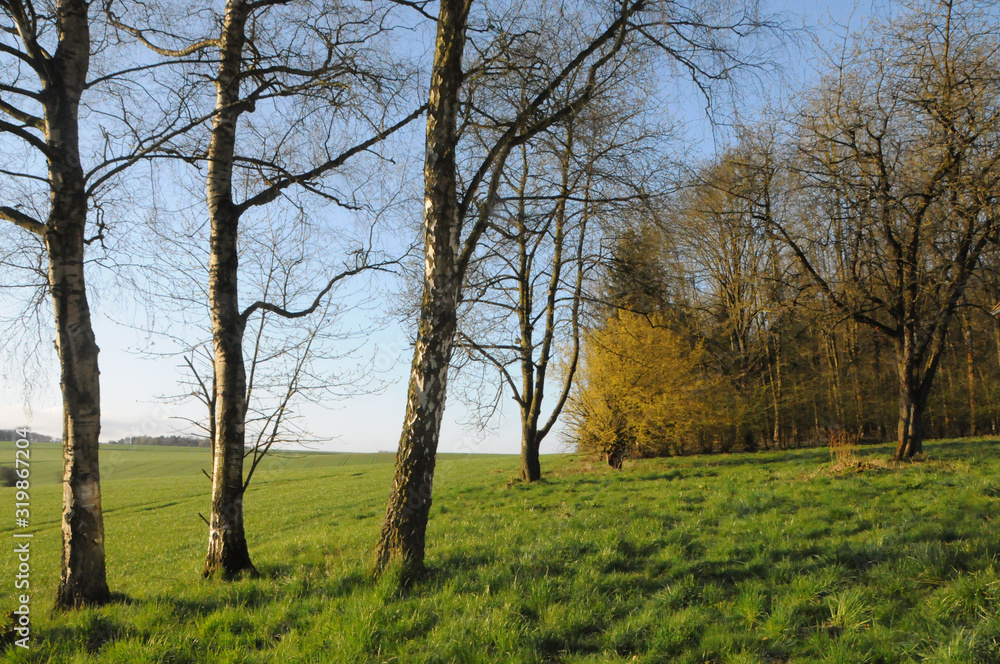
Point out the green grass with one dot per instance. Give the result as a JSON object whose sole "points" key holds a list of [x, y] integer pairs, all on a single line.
{"points": [[723, 559]]}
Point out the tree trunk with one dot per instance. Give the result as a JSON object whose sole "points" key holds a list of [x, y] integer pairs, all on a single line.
{"points": [[530, 399], [910, 431], [83, 579], [405, 525], [912, 404], [227, 546], [776, 394], [970, 367], [833, 361], [531, 468]]}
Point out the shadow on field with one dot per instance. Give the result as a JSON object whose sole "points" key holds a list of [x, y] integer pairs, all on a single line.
{"points": [[276, 583], [121, 598], [665, 476], [962, 448], [236, 596], [96, 630], [768, 457], [313, 579], [464, 560], [102, 630]]}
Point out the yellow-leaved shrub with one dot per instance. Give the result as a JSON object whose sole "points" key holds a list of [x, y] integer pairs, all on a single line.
{"points": [[642, 390]]}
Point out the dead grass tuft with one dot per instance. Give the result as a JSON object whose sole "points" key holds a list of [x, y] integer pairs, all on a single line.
{"points": [[843, 446]]}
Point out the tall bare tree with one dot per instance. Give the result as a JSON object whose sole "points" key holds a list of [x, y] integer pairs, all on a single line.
{"points": [[60, 80], [281, 71], [59, 171], [456, 212], [529, 285], [505, 300]]}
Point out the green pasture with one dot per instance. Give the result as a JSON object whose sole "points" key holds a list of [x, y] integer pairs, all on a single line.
{"points": [[737, 559]]}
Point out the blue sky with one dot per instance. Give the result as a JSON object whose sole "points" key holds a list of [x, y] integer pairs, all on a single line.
{"points": [[133, 386]]}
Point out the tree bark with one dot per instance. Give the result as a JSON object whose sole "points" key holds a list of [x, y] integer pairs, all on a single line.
{"points": [[912, 401], [83, 578], [531, 467], [970, 368], [405, 525], [529, 401], [227, 547], [774, 372], [910, 430]]}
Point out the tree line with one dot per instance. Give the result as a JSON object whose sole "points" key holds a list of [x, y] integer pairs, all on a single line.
{"points": [[834, 268], [169, 441], [543, 161], [11, 434]]}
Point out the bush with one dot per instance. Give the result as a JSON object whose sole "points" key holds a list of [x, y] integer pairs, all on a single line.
{"points": [[642, 390]]}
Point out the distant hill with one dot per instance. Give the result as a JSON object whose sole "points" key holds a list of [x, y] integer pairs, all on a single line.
{"points": [[33, 436], [170, 441]]}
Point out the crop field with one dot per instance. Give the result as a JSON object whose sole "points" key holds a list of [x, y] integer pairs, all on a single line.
{"points": [[767, 557]]}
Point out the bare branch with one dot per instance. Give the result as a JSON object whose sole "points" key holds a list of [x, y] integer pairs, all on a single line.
{"points": [[281, 311], [168, 52], [23, 220], [272, 192]]}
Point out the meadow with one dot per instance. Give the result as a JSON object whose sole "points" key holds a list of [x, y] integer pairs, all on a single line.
{"points": [[736, 559]]}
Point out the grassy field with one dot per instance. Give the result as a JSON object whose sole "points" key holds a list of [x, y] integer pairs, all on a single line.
{"points": [[737, 559]]}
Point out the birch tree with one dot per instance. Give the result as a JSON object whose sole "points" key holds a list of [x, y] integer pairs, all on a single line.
{"points": [[49, 123], [458, 208], [58, 171], [301, 89]]}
